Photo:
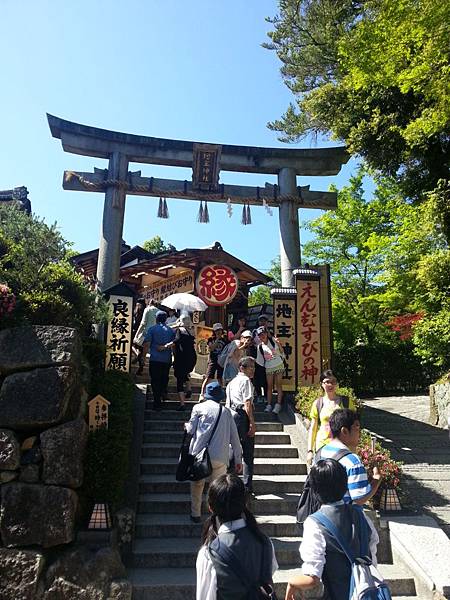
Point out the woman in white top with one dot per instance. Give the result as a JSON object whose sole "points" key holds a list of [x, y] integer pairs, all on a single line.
{"points": [[270, 353], [232, 541], [236, 351]]}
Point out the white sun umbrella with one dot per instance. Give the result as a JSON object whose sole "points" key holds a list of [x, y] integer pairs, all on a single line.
{"points": [[184, 301]]}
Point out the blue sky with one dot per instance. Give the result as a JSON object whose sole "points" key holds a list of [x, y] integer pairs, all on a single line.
{"points": [[166, 68]]}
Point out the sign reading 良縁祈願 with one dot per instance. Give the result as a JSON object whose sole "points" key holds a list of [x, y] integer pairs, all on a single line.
{"points": [[119, 331]]}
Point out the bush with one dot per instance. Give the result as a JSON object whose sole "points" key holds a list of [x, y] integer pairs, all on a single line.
{"points": [[107, 456], [307, 395], [383, 368], [391, 470]]}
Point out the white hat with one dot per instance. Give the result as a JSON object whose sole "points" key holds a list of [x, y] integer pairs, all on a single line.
{"points": [[217, 326], [246, 333]]}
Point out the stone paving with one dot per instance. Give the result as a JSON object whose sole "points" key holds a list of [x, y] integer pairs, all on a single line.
{"points": [[401, 423]]}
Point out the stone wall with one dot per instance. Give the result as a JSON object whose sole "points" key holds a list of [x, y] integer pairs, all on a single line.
{"points": [[440, 404], [43, 436]]}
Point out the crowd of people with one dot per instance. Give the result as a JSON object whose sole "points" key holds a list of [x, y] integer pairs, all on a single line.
{"points": [[243, 367]]}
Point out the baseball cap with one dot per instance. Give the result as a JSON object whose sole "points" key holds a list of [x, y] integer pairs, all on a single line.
{"points": [[214, 391], [261, 330], [217, 326], [263, 316], [246, 333]]}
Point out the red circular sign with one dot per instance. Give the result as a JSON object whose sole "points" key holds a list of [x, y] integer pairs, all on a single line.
{"points": [[217, 284]]}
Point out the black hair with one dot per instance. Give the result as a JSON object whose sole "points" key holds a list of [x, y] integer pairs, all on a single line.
{"points": [[342, 417], [246, 361], [227, 502], [329, 480], [327, 374], [140, 301], [161, 317]]}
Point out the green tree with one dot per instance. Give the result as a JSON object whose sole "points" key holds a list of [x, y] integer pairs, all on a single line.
{"points": [[261, 294], [34, 264], [374, 74], [156, 245]]}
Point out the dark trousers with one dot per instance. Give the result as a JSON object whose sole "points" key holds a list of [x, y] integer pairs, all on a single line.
{"points": [[260, 380], [159, 379], [248, 447]]}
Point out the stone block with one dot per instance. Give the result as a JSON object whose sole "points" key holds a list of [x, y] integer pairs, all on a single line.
{"points": [[34, 514], [19, 573], [24, 348], [29, 474], [9, 450], [89, 570], [63, 451], [39, 399], [7, 476], [120, 589], [63, 590], [33, 456]]}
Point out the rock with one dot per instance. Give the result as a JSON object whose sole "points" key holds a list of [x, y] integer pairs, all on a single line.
{"points": [[9, 450], [121, 589], [124, 520], [29, 442], [63, 451], [39, 399], [86, 569], [29, 474], [37, 514], [64, 590], [19, 573], [7, 476], [24, 348], [33, 456]]}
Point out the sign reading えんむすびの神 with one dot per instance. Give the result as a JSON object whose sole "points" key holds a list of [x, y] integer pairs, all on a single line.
{"points": [[180, 282], [118, 337], [308, 330]]}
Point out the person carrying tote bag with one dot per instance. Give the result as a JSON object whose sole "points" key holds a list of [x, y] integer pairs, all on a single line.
{"points": [[204, 417]]}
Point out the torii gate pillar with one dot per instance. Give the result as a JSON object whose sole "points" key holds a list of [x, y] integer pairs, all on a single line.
{"points": [[108, 266], [289, 227]]}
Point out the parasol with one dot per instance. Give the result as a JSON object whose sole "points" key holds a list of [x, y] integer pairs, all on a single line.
{"points": [[184, 301]]}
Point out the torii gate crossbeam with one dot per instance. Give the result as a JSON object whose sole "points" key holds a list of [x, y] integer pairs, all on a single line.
{"points": [[206, 160]]}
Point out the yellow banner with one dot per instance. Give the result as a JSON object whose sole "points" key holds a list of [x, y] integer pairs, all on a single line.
{"points": [[180, 282], [308, 336], [118, 339], [284, 309]]}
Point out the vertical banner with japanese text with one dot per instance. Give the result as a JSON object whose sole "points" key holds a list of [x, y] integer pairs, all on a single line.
{"points": [[309, 356], [284, 321], [118, 337]]}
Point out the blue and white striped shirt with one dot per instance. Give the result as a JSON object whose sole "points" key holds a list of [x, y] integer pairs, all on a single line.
{"points": [[358, 484]]}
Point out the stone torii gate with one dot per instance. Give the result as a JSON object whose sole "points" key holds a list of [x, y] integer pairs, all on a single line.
{"points": [[206, 160]]}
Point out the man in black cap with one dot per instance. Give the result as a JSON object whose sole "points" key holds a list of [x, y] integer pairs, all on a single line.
{"points": [[160, 339]]}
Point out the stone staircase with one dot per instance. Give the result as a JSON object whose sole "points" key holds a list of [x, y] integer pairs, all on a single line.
{"points": [[162, 563]]}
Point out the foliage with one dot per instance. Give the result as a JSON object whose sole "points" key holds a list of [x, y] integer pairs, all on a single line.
{"points": [[373, 74], [261, 294], [107, 456], [7, 301], [383, 367], [403, 324], [34, 264], [156, 245], [390, 470], [307, 395]]}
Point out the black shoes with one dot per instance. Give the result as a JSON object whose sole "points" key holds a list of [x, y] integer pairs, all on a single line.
{"points": [[196, 519], [181, 407]]}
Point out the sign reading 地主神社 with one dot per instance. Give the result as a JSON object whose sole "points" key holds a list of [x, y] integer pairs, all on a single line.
{"points": [[217, 284], [118, 337], [284, 321], [309, 362]]}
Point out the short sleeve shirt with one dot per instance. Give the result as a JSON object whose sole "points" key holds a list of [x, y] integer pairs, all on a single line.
{"points": [[239, 390], [323, 434], [214, 354]]}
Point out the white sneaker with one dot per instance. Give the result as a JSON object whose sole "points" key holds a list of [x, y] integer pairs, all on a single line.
{"points": [[276, 408], [268, 408]]}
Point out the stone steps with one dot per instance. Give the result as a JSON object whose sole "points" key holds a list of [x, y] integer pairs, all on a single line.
{"points": [[174, 415], [283, 466], [161, 425], [265, 437], [261, 451], [179, 583]]}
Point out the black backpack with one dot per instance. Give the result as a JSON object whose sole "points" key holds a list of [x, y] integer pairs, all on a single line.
{"points": [[309, 502]]}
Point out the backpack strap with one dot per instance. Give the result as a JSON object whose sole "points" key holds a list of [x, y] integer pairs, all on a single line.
{"points": [[343, 401], [319, 406], [341, 453], [332, 530], [215, 426]]}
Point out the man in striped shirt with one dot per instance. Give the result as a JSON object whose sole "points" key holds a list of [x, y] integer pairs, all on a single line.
{"points": [[345, 431]]}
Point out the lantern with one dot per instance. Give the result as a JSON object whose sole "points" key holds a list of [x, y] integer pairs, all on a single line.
{"points": [[389, 500], [101, 517]]}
